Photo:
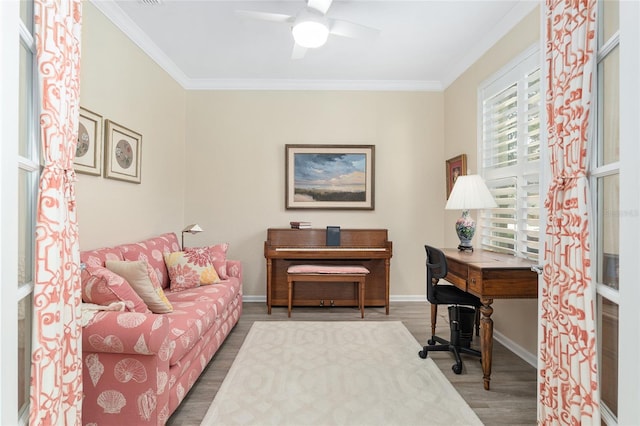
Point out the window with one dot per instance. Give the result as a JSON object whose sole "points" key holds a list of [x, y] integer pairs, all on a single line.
{"points": [[510, 156], [28, 170], [605, 184]]}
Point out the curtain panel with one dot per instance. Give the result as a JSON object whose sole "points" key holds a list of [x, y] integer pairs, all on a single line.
{"points": [[56, 357], [568, 391]]}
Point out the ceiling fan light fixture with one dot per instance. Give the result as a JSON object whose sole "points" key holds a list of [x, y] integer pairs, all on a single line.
{"points": [[310, 34]]}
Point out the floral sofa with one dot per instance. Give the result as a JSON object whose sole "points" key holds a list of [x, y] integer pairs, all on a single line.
{"points": [[138, 365]]}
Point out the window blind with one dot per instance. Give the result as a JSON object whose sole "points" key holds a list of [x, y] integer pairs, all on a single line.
{"points": [[510, 158]]}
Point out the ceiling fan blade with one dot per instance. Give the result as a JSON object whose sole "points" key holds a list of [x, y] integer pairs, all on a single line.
{"points": [[349, 29], [266, 16], [320, 5], [298, 51]]}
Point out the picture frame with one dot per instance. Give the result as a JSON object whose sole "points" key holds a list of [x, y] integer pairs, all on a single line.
{"points": [[456, 166], [340, 177], [88, 158], [123, 153]]}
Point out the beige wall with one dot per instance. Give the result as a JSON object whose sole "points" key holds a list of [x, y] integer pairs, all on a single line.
{"points": [[121, 83], [217, 158], [235, 178], [516, 319]]}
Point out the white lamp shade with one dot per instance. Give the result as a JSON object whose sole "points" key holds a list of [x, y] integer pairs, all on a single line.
{"points": [[470, 192], [310, 34]]}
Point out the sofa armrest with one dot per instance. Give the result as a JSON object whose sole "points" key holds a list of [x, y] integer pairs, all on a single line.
{"points": [[234, 269], [127, 333]]}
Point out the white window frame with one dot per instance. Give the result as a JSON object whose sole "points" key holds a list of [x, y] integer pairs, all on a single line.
{"points": [[629, 314], [9, 78], [15, 38], [528, 60]]}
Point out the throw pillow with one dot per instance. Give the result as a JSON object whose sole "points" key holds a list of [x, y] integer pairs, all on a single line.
{"points": [[103, 287], [218, 255], [188, 269], [140, 275]]}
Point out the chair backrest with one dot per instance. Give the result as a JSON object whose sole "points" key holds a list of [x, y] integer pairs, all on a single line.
{"points": [[436, 269]]}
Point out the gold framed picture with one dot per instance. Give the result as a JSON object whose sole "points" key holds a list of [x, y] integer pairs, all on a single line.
{"points": [[88, 159], [123, 153], [329, 177]]}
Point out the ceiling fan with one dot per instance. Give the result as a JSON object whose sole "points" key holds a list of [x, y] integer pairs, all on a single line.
{"points": [[311, 27]]}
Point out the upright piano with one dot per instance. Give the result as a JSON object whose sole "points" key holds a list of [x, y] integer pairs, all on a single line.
{"points": [[367, 247]]}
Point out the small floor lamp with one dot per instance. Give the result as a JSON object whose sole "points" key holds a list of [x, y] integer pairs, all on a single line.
{"points": [[192, 229], [469, 192]]}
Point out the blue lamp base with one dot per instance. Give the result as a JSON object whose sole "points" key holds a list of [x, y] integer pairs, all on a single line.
{"points": [[465, 228]]}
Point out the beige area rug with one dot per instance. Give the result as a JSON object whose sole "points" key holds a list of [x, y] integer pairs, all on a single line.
{"points": [[335, 373]]}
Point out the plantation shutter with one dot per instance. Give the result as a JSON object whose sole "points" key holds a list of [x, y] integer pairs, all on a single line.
{"points": [[510, 159]]}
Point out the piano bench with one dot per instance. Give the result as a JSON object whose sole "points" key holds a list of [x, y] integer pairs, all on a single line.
{"points": [[328, 273]]}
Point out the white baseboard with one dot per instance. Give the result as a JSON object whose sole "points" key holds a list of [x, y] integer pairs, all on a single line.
{"points": [[529, 357]]}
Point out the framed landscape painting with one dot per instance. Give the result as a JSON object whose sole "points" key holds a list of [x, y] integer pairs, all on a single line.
{"points": [[329, 177]]}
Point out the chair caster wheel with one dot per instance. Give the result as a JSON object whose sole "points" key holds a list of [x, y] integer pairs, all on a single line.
{"points": [[457, 368], [422, 354]]}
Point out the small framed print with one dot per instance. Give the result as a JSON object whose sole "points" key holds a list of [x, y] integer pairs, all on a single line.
{"points": [[123, 153], [88, 159], [456, 166]]}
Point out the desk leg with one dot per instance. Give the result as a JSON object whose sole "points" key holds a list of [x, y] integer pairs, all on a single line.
{"points": [[486, 340], [269, 272], [387, 275], [361, 296]]}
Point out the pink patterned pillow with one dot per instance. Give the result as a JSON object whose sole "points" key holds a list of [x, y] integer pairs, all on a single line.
{"points": [[217, 257], [103, 287], [189, 269], [152, 251]]}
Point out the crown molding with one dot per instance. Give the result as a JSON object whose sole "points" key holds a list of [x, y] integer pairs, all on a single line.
{"points": [[292, 84], [114, 13], [506, 24]]}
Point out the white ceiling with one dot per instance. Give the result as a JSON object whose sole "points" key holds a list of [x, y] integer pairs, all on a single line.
{"points": [[422, 45]]}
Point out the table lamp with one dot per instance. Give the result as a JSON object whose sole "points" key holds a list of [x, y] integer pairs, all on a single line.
{"points": [[192, 229], [469, 192]]}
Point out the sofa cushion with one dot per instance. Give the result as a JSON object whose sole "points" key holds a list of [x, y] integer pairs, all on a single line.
{"points": [[188, 269], [195, 311], [103, 287], [141, 277], [100, 256], [152, 251]]}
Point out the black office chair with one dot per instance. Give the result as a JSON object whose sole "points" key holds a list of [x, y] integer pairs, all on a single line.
{"points": [[461, 330]]}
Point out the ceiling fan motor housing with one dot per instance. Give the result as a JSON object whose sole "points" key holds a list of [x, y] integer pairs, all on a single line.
{"points": [[311, 28]]}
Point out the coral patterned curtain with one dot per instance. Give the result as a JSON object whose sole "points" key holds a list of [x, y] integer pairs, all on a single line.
{"points": [[56, 357], [567, 364]]}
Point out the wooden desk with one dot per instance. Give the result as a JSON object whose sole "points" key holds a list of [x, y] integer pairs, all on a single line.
{"points": [[367, 247], [489, 276]]}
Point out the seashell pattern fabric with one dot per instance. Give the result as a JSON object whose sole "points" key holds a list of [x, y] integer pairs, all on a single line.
{"points": [[138, 367]]}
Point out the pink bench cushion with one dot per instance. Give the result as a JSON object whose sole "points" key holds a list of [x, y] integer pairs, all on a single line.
{"points": [[327, 269]]}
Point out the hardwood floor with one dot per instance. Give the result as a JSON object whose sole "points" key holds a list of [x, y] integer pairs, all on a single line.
{"points": [[511, 400]]}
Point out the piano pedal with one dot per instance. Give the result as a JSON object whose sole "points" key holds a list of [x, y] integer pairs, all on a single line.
{"points": [[321, 302], [333, 303]]}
